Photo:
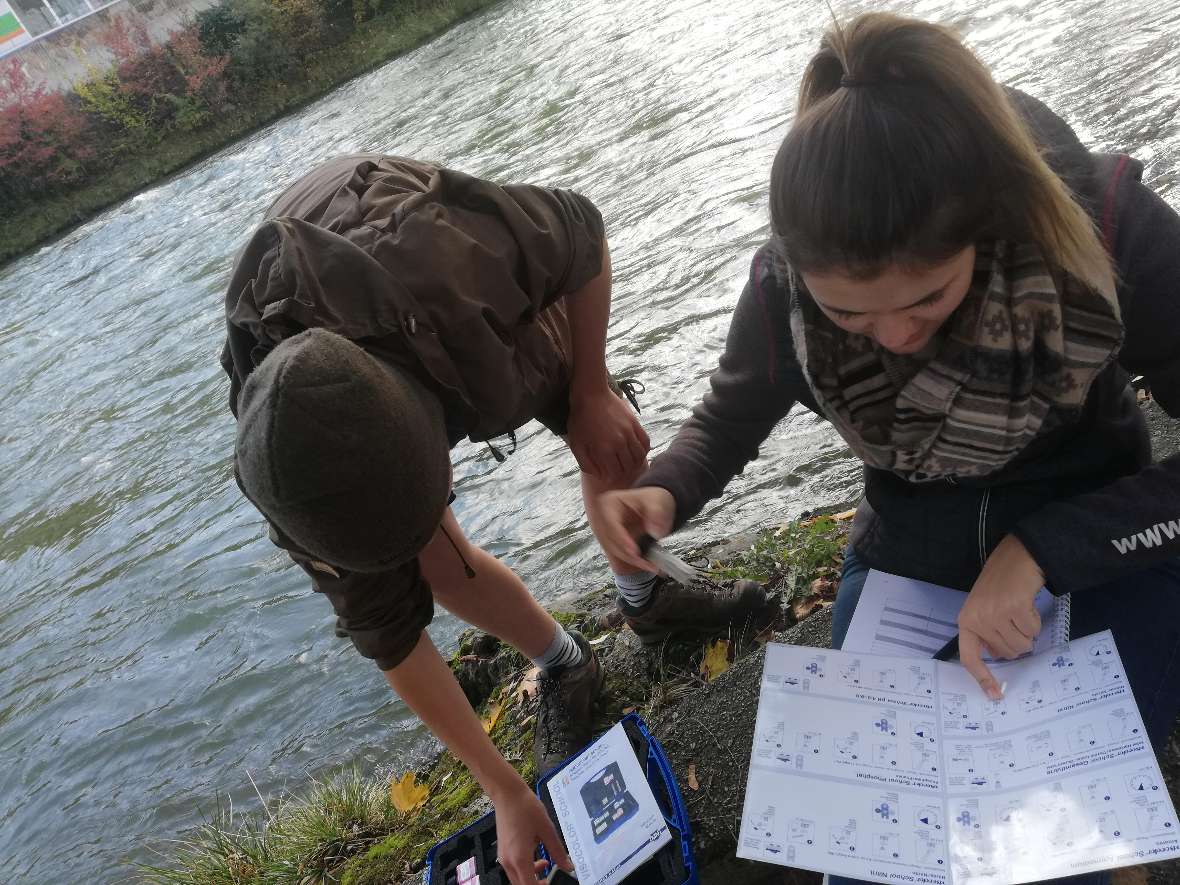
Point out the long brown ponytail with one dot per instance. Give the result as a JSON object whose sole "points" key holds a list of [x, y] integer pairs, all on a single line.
{"points": [[905, 150]]}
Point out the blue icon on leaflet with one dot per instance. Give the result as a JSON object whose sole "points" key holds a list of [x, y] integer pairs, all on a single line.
{"points": [[966, 820]]}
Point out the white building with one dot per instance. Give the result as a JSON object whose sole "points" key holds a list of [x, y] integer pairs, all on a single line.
{"points": [[22, 21], [58, 42]]}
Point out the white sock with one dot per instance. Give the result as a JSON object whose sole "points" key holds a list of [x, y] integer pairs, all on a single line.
{"points": [[562, 652], [636, 589]]}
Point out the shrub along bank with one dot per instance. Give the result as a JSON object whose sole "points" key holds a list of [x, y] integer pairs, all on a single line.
{"points": [[66, 155]]}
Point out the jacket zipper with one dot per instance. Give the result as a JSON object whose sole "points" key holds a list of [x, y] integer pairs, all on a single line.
{"points": [[987, 494]]}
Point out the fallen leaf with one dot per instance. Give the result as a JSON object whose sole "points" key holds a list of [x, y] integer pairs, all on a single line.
{"points": [[801, 608], [844, 514], [692, 776], [766, 634], [824, 588], [628, 710], [716, 660], [594, 643], [407, 794], [528, 686], [492, 718]]}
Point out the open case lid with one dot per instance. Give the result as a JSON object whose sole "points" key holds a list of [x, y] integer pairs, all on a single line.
{"points": [[673, 863]]}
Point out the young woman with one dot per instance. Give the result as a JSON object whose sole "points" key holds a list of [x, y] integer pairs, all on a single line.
{"points": [[963, 290]]}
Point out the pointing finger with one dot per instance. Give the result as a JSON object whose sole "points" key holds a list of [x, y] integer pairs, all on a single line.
{"points": [[971, 656]]}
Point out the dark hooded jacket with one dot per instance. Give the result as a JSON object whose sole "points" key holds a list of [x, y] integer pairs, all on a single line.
{"points": [[1085, 499], [454, 279]]}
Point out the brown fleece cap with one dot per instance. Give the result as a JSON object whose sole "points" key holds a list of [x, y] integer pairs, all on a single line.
{"points": [[345, 454]]}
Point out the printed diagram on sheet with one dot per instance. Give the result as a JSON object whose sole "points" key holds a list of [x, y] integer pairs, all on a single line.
{"points": [[901, 770]]}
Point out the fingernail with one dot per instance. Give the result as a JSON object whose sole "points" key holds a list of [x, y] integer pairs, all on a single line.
{"points": [[993, 692]]}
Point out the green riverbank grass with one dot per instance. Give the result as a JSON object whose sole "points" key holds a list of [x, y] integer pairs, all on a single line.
{"points": [[347, 830], [371, 45]]}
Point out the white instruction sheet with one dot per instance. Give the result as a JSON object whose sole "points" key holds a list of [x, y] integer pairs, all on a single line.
{"points": [[606, 810], [897, 769], [902, 616]]}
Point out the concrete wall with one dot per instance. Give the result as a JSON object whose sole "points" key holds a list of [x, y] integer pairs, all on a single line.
{"points": [[60, 58]]}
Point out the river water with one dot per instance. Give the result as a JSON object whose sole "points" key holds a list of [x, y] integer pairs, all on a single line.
{"points": [[155, 650]]}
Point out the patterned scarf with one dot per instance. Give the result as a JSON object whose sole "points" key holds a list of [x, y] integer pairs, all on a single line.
{"points": [[1014, 360]]}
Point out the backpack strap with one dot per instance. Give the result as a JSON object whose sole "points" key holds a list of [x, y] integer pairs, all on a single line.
{"points": [[1110, 169]]}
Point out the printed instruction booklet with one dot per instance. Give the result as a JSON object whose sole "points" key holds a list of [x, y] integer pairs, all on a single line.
{"points": [[607, 812], [899, 769]]}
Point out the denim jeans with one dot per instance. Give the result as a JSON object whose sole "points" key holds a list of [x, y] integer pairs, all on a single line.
{"points": [[1141, 610]]}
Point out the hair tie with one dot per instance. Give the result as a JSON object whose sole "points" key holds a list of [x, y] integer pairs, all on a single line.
{"points": [[850, 82]]}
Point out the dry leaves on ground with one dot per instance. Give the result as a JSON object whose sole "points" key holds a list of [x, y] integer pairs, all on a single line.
{"points": [[801, 608], [407, 794], [693, 784]]}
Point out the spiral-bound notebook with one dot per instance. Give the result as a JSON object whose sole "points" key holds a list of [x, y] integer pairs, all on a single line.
{"points": [[901, 616]]}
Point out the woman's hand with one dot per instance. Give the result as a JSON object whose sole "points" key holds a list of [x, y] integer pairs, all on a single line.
{"points": [[605, 436], [628, 515], [999, 615], [521, 822]]}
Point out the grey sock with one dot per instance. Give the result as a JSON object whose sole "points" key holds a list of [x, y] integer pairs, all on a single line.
{"points": [[636, 589], [562, 652]]}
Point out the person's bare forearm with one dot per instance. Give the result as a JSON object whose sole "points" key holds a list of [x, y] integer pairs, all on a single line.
{"points": [[588, 310], [427, 685]]}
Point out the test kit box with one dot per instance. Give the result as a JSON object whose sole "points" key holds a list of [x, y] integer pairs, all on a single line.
{"points": [[604, 799], [609, 805]]}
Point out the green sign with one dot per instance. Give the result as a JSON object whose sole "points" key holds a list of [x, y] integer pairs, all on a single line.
{"points": [[11, 30]]}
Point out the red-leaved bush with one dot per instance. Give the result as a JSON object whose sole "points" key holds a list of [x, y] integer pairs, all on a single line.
{"points": [[43, 141], [204, 76]]}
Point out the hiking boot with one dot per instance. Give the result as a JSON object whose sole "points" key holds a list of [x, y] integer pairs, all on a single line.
{"points": [[696, 610], [566, 708]]}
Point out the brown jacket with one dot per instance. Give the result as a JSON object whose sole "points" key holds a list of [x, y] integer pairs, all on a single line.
{"points": [[454, 278]]}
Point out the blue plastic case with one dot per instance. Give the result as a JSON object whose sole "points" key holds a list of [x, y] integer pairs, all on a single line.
{"points": [[672, 865], [477, 840]]}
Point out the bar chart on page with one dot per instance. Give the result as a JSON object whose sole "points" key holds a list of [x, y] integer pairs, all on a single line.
{"points": [[909, 629], [915, 619]]}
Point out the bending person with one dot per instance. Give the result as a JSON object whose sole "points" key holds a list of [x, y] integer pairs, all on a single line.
{"points": [[385, 310]]}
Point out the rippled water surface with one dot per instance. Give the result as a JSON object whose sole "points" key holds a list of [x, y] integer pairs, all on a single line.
{"points": [[154, 648]]}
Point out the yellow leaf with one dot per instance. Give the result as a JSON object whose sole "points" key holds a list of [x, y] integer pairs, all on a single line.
{"points": [[847, 514], [692, 776], [493, 717], [407, 794], [716, 660]]}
